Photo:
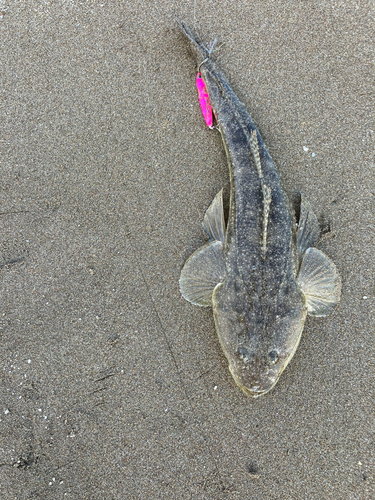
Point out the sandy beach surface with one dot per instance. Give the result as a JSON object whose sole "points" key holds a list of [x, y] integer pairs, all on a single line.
{"points": [[112, 385]]}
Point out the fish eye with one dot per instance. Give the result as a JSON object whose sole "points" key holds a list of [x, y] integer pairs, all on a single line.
{"points": [[243, 353], [274, 356]]}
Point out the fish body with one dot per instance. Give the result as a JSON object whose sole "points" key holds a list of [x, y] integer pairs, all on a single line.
{"points": [[261, 272]]}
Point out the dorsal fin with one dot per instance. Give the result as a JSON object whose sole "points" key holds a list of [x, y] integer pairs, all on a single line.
{"points": [[255, 150], [266, 190]]}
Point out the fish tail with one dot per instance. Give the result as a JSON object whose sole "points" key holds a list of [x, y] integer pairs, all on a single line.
{"points": [[196, 42]]}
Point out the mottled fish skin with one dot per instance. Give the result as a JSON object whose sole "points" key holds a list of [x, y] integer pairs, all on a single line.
{"points": [[259, 306]]}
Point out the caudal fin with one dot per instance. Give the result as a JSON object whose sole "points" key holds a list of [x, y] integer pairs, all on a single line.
{"points": [[196, 42]]}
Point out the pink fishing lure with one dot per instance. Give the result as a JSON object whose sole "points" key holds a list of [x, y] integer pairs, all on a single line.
{"points": [[204, 101]]}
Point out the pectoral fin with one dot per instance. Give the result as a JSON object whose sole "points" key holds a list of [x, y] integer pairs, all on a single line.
{"points": [[204, 269], [320, 282], [213, 222], [308, 231]]}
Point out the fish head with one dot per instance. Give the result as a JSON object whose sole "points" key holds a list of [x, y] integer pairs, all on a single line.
{"points": [[256, 366], [259, 351]]}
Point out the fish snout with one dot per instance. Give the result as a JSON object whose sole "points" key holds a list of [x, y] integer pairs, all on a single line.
{"points": [[253, 374]]}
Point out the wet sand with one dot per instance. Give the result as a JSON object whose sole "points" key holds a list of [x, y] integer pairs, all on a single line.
{"points": [[112, 385]]}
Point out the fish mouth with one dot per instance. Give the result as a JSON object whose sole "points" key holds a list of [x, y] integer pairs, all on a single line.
{"points": [[255, 392]]}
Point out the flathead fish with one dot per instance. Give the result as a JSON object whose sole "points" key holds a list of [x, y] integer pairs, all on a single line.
{"points": [[260, 272]]}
